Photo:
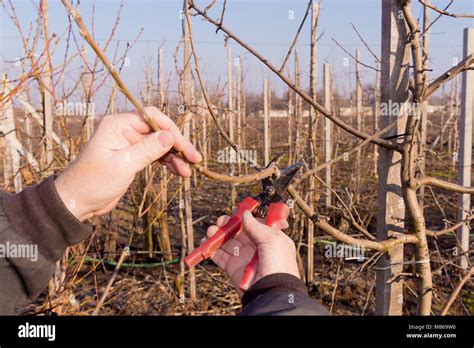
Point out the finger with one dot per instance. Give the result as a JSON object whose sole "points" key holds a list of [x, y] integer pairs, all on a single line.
{"points": [[165, 160], [177, 165], [181, 143], [164, 123], [212, 231], [220, 258], [255, 230], [148, 150], [132, 119], [221, 221], [136, 120]]}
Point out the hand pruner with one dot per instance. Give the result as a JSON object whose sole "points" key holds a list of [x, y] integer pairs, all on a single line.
{"points": [[268, 204]]}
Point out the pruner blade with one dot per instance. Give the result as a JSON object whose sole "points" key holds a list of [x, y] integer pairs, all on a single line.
{"points": [[286, 177], [276, 187]]}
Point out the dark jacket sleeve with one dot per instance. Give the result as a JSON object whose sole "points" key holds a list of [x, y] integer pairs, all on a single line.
{"points": [[35, 230], [280, 294]]}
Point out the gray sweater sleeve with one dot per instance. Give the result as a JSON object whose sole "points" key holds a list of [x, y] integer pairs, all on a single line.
{"points": [[280, 294], [35, 230]]}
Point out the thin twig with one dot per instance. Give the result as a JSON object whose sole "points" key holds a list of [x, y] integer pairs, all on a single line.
{"points": [[448, 75], [377, 60], [207, 99], [111, 281], [352, 56], [456, 291], [295, 40], [445, 185], [444, 13]]}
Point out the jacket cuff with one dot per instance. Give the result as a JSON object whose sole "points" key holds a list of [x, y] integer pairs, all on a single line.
{"points": [[39, 214], [274, 283]]}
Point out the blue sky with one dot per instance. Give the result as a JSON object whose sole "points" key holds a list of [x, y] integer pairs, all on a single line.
{"points": [[267, 24]]}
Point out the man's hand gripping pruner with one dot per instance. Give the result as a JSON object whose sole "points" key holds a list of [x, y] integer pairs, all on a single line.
{"points": [[268, 204]]}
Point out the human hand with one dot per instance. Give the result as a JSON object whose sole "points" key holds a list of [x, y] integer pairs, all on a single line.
{"points": [[122, 145], [276, 251]]}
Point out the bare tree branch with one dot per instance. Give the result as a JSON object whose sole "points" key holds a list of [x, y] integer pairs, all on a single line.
{"points": [[445, 185], [456, 291], [377, 60], [448, 75], [298, 32], [352, 56], [327, 113], [447, 230], [444, 13]]}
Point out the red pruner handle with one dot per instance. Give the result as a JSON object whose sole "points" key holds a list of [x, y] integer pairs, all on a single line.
{"points": [[276, 219], [232, 227]]}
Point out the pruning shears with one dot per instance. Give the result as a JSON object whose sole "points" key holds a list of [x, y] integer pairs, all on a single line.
{"points": [[268, 204]]}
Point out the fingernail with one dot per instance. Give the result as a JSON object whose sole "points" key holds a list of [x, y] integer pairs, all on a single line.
{"points": [[165, 138]]}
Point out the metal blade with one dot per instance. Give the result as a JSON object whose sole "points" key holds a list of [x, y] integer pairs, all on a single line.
{"points": [[268, 181], [287, 176]]}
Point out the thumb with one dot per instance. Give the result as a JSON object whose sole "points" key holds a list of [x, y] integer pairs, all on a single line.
{"points": [[149, 149], [255, 230]]}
